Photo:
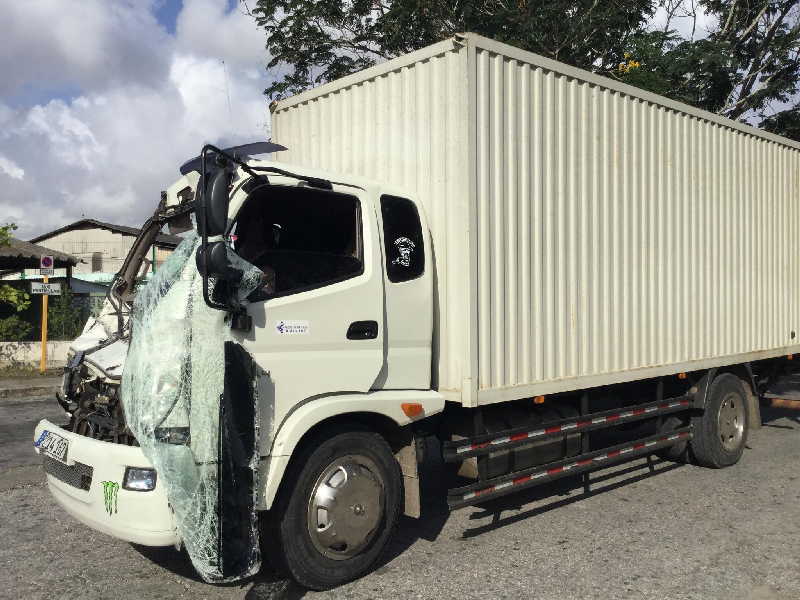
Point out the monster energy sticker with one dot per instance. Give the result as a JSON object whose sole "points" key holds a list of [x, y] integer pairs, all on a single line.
{"points": [[110, 489]]}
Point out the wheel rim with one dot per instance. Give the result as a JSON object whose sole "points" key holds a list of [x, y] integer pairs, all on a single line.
{"points": [[346, 507], [730, 421]]}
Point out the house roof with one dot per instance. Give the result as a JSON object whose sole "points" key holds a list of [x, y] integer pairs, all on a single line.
{"points": [[162, 239], [25, 255]]}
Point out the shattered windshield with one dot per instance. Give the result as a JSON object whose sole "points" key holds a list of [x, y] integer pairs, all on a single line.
{"points": [[172, 387]]}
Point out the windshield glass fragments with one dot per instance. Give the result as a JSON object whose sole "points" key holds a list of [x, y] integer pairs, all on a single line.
{"points": [[173, 380]]}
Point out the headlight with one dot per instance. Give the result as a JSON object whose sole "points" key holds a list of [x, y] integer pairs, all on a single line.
{"points": [[139, 480]]}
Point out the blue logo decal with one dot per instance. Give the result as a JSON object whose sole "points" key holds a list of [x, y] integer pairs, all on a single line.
{"points": [[38, 442]]}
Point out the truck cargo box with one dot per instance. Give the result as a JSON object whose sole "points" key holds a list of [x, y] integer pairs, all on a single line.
{"points": [[585, 232]]}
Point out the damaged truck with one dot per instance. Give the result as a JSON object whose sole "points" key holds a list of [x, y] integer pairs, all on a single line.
{"points": [[539, 271]]}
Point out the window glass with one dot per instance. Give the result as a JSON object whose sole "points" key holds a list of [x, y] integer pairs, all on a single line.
{"points": [[300, 237], [403, 240]]}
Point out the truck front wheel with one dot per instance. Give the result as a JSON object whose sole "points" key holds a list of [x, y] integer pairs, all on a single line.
{"points": [[720, 433], [340, 506]]}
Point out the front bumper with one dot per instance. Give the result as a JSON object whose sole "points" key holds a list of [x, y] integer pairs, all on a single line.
{"points": [[85, 488]]}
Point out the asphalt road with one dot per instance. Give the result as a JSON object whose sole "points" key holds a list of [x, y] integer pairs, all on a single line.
{"points": [[676, 532]]}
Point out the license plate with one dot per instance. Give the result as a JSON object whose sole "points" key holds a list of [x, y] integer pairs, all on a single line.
{"points": [[54, 446]]}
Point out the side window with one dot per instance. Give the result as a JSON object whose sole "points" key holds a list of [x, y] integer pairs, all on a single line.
{"points": [[301, 238], [403, 239]]}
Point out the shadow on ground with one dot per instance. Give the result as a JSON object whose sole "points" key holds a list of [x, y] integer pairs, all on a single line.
{"points": [[269, 585]]}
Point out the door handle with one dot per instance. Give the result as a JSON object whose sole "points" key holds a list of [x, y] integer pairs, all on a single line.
{"points": [[362, 330]]}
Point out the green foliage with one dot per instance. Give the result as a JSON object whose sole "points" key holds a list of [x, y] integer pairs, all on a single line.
{"points": [[14, 329], [748, 63], [64, 319], [784, 123], [19, 299], [315, 41], [744, 68], [5, 233]]}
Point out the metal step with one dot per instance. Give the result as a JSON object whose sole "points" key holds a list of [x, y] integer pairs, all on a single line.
{"points": [[458, 450], [590, 461]]}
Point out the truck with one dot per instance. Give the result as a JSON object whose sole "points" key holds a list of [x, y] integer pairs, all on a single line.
{"points": [[532, 271]]}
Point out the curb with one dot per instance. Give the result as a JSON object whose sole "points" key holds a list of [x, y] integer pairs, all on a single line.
{"points": [[42, 392]]}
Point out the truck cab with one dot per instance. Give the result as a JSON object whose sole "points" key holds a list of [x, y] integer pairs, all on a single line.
{"points": [[330, 344]]}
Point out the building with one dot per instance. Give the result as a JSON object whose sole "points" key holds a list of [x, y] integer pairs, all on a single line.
{"points": [[99, 249], [102, 247]]}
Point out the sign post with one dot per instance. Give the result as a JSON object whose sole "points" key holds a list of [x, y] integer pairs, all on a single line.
{"points": [[45, 269]]}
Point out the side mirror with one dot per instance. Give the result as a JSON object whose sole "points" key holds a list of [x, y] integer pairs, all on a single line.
{"points": [[212, 261], [213, 209]]}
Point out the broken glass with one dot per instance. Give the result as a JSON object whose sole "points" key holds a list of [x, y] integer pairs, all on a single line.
{"points": [[172, 387]]}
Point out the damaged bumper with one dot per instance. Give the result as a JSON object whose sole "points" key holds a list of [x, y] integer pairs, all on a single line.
{"points": [[88, 485]]}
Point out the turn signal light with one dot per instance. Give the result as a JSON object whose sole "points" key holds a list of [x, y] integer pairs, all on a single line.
{"points": [[538, 400], [412, 409], [681, 375]]}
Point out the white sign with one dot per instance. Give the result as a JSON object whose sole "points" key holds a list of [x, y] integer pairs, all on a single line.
{"points": [[46, 265], [287, 327], [51, 289]]}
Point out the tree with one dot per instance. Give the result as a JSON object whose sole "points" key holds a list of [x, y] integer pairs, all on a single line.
{"points": [[747, 67], [13, 328], [8, 294], [315, 41]]}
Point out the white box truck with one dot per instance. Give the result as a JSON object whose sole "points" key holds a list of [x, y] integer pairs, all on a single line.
{"points": [[547, 270]]}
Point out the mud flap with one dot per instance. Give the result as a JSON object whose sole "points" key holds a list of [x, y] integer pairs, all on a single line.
{"points": [[238, 544]]}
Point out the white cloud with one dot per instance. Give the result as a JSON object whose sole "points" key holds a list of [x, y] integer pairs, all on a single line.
{"points": [[204, 28], [83, 44], [108, 152], [10, 168]]}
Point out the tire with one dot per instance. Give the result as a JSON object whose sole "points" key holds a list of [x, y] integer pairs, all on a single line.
{"points": [[680, 451], [357, 469], [720, 433]]}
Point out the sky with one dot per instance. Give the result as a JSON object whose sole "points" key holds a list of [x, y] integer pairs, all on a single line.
{"points": [[102, 100]]}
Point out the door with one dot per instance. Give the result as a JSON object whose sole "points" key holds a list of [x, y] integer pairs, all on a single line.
{"points": [[320, 330]]}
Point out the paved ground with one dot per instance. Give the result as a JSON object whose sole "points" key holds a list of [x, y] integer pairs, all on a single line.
{"points": [[681, 532], [26, 387]]}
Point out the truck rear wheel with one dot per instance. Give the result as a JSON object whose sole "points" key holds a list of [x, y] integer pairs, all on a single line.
{"points": [[333, 523], [720, 433]]}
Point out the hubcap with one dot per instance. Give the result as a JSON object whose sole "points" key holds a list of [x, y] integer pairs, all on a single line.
{"points": [[346, 507], [730, 421]]}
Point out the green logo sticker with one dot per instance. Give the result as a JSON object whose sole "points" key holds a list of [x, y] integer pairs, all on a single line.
{"points": [[110, 489]]}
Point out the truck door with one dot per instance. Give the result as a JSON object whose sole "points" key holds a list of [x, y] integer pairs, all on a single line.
{"points": [[319, 328]]}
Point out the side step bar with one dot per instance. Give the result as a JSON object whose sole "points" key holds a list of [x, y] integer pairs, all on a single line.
{"points": [[513, 482], [506, 440]]}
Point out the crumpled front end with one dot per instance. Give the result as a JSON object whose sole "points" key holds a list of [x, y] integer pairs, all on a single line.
{"points": [[88, 482]]}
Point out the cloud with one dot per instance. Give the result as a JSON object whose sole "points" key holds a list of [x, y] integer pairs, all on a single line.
{"points": [[207, 28], [107, 151], [10, 168], [85, 44]]}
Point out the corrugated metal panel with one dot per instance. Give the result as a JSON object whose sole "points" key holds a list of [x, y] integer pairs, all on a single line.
{"points": [[617, 235], [403, 126]]}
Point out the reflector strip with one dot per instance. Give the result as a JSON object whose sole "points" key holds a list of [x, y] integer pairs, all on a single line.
{"points": [[572, 425], [578, 463]]}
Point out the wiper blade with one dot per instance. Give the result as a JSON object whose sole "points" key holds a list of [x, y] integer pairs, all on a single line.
{"points": [[241, 152], [316, 182]]}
